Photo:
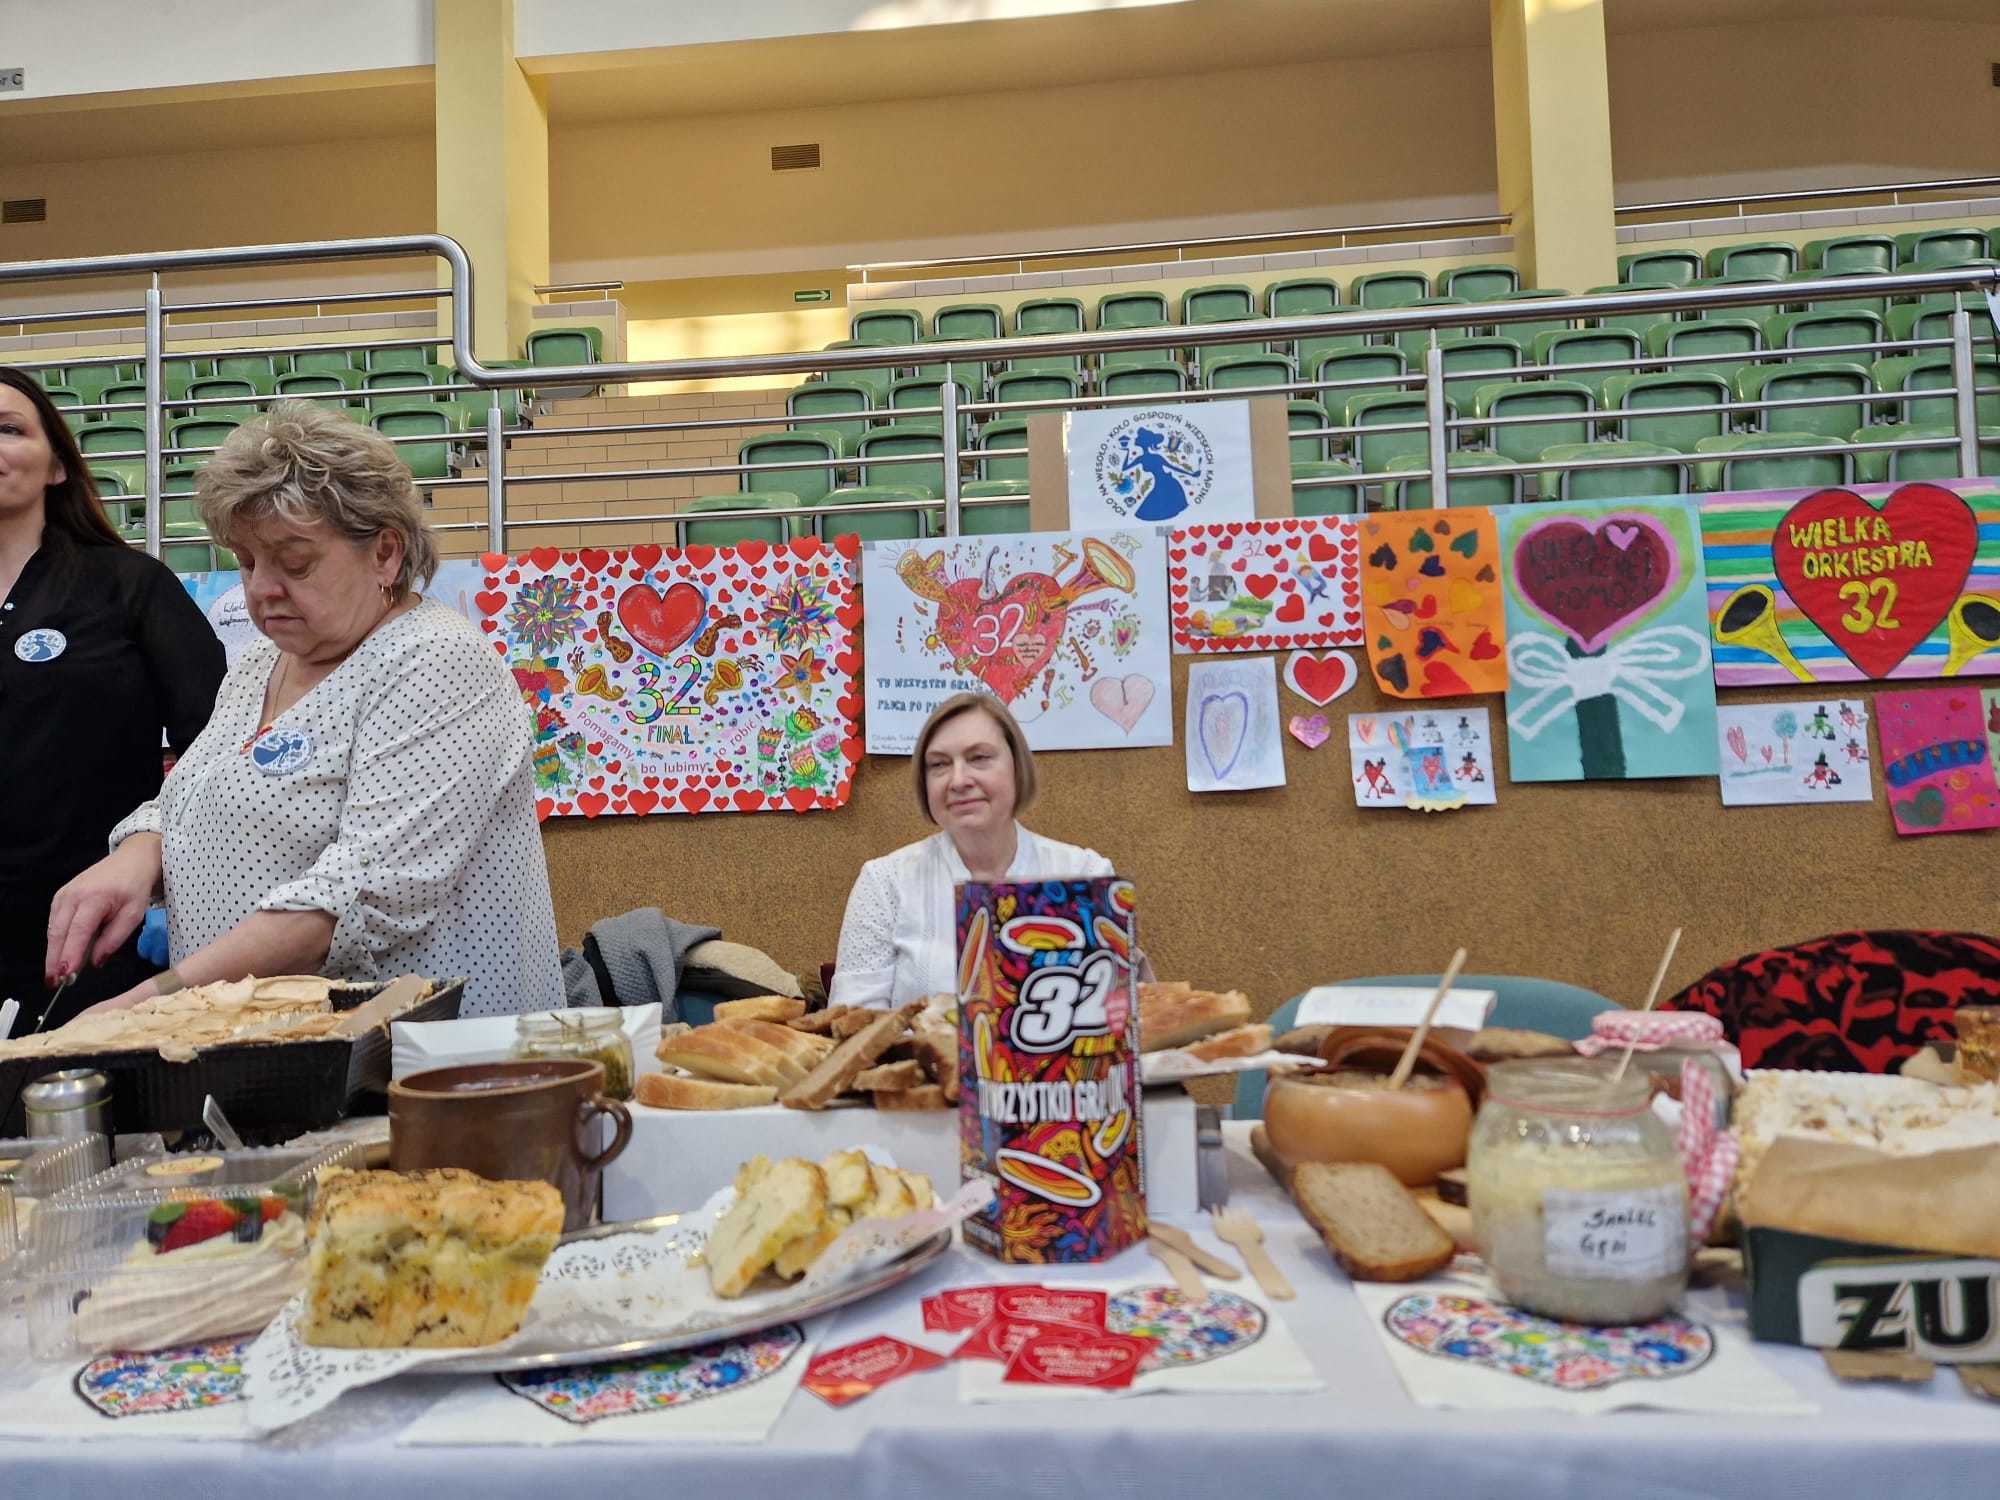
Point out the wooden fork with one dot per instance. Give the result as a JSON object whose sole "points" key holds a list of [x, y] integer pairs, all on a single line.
{"points": [[1234, 1226]]}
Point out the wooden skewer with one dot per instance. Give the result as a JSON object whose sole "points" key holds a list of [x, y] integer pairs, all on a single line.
{"points": [[1659, 975], [1407, 1063]]}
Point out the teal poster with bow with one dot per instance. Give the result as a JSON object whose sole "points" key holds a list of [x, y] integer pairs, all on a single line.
{"points": [[1609, 676]]}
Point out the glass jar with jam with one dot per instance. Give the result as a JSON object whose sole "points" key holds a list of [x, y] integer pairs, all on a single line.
{"points": [[595, 1033], [1579, 1203]]}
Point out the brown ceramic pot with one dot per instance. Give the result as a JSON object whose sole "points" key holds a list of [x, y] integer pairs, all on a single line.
{"points": [[1415, 1132], [527, 1121]]}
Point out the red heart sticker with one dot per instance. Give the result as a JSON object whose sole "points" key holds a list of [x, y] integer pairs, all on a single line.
{"points": [[1077, 1357], [490, 603], [544, 557], [842, 1376], [593, 803], [1320, 679], [661, 622]]}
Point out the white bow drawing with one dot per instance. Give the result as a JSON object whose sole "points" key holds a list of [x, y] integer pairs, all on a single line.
{"points": [[1629, 671]]}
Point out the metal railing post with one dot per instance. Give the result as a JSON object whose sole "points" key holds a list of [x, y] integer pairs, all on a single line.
{"points": [[496, 477], [948, 409], [1435, 429], [155, 391], [1965, 405]]}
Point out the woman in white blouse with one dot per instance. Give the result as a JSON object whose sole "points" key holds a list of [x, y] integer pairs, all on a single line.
{"points": [[974, 772], [361, 804]]}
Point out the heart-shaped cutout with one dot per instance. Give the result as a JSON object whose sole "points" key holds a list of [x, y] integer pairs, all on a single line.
{"points": [[1122, 700], [1185, 1331], [1590, 579], [1319, 679], [1310, 731], [193, 1377], [1564, 1356], [582, 1394], [661, 622]]}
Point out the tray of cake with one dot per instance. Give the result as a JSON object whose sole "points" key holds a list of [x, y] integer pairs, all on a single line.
{"points": [[287, 1051]]}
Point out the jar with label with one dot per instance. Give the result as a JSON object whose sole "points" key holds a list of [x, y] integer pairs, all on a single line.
{"points": [[1579, 1204], [595, 1033]]}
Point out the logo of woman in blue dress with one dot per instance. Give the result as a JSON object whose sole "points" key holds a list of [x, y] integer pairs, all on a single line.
{"points": [[1155, 466], [279, 752], [41, 645]]}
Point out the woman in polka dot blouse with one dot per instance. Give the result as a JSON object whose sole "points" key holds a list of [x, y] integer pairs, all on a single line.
{"points": [[361, 804]]}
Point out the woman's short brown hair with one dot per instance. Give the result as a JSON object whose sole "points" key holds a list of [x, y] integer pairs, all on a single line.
{"points": [[1017, 743]]}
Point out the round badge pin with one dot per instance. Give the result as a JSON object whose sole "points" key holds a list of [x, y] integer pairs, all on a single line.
{"points": [[41, 645], [279, 752]]}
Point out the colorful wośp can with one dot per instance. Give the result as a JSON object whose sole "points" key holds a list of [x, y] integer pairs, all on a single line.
{"points": [[1049, 1105]]}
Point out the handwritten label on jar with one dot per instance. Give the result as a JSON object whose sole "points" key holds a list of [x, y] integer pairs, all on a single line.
{"points": [[1636, 1234]]}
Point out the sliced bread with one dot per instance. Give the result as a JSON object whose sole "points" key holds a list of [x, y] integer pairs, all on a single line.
{"points": [[733, 1055], [782, 1202], [1368, 1219], [1238, 1041], [891, 1076], [1172, 1015], [760, 1008], [676, 1091]]}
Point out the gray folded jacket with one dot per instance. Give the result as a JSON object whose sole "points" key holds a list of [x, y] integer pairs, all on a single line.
{"points": [[633, 959]]}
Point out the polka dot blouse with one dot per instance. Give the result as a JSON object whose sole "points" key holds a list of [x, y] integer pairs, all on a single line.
{"points": [[396, 796]]}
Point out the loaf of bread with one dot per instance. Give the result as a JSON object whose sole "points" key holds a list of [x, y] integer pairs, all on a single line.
{"points": [[1172, 1015], [1238, 1041], [1374, 1228], [801, 1047], [849, 1060], [732, 1054], [850, 1019], [428, 1260], [760, 1008], [678, 1091]]}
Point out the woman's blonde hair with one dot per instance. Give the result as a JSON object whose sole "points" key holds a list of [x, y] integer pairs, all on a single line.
{"points": [[303, 462], [1025, 783]]}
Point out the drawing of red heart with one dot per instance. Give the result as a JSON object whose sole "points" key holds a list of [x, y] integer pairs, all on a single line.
{"points": [[501, 647], [748, 801], [562, 809], [1483, 649], [614, 766], [1319, 679], [595, 747], [593, 803], [489, 627], [695, 798], [1323, 549], [1260, 584], [799, 799], [647, 555], [545, 557], [543, 807], [642, 802], [492, 562], [1876, 617], [490, 603], [1440, 681], [848, 547], [1005, 639], [1275, 549], [1292, 610], [1177, 574], [1199, 549], [661, 622], [1592, 578]]}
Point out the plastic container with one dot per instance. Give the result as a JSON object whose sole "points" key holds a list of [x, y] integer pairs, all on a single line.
{"points": [[594, 1034], [1578, 1198], [108, 1266], [218, 1171], [42, 1166]]}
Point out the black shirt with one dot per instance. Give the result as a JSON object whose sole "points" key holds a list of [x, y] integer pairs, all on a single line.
{"points": [[101, 649]]}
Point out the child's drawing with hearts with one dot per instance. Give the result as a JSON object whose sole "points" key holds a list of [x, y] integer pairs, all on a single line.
{"points": [[1594, 581]]}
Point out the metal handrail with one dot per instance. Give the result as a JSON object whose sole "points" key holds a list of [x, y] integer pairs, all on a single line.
{"points": [[1894, 189]]}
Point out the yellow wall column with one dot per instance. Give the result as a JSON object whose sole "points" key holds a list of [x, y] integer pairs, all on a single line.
{"points": [[492, 168], [1552, 117]]}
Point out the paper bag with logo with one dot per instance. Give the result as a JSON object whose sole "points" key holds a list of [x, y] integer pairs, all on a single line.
{"points": [[1049, 1109], [1946, 1201]]}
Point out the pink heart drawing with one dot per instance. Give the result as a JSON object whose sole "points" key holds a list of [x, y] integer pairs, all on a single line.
{"points": [[1122, 700], [1364, 728], [1310, 732], [1320, 679]]}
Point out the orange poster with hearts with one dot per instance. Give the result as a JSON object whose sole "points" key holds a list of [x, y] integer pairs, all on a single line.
{"points": [[682, 680], [1432, 604]]}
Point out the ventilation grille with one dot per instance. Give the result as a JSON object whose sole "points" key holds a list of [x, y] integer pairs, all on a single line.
{"points": [[35, 210], [795, 158]]}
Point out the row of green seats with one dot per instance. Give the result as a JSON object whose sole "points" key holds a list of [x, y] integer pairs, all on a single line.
{"points": [[1918, 250], [115, 449], [1007, 513]]}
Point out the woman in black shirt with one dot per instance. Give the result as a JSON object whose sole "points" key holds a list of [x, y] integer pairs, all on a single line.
{"points": [[101, 650]]}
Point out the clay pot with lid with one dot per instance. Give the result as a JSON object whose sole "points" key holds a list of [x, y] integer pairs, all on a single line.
{"points": [[1346, 1112]]}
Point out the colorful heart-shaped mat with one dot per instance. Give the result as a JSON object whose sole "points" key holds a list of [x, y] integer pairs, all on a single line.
{"points": [[1565, 1356], [586, 1393], [190, 1378], [1184, 1332]]}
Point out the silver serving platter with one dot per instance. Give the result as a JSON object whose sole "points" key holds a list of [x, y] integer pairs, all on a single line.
{"points": [[770, 1316]]}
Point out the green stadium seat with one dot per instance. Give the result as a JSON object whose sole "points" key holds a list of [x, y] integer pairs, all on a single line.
{"points": [[109, 480], [408, 378], [1355, 365], [1639, 323], [969, 373], [994, 520], [1232, 372], [1725, 344], [1757, 312], [1675, 266], [1373, 450], [905, 394], [189, 557], [1852, 252], [1380, 289], [969, 320], [1763, 259], [900, 440], [1160, 377], [328, 387], [513, 399], [878, 526], [1127, 359], [1920, 320], [877, 380], [1131, 310], [128, 474], [1031, 360], [61, 397], [1302, 420], [178, 372], [1879, 306], [1048, 315], [1324, 499], [1468, 485], [1629, 395], [1932, 371], [315, 361], [886, 326], [411, 357], [1637, 481], [1940, 461], [1471, 363], [1819, 330], [1301, 297], [1582, 346], [1413, 341], [574, 344], [1222, 302], [720, 533], [1309, 351], [425, 460], [1741, 461], [802, 445], [1528, 329], [1037, 385], [1941, 247], [828, 404], [1524, 442], [1479, 283], [242, 395], [124, 435], [1006, 433], [133, 390], [1801, 380], [179, 479], [261, 369]]}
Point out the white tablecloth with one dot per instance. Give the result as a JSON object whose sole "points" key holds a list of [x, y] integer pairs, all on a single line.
{"points": [[1362, 1436]]}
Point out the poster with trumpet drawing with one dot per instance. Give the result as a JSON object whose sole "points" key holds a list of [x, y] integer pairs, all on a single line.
{"points": [[1859, 584], [1068, 630], [1801, 752]]}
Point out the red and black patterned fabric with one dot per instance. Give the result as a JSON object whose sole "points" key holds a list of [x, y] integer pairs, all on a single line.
{"points": [[1851, 1002]]}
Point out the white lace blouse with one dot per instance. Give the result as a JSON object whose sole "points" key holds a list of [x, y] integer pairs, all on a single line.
{"points": [[899, 942], [397, 796]]}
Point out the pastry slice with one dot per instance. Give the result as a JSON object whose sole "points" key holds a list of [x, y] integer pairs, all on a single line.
{"points": [[776, 1204]]}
